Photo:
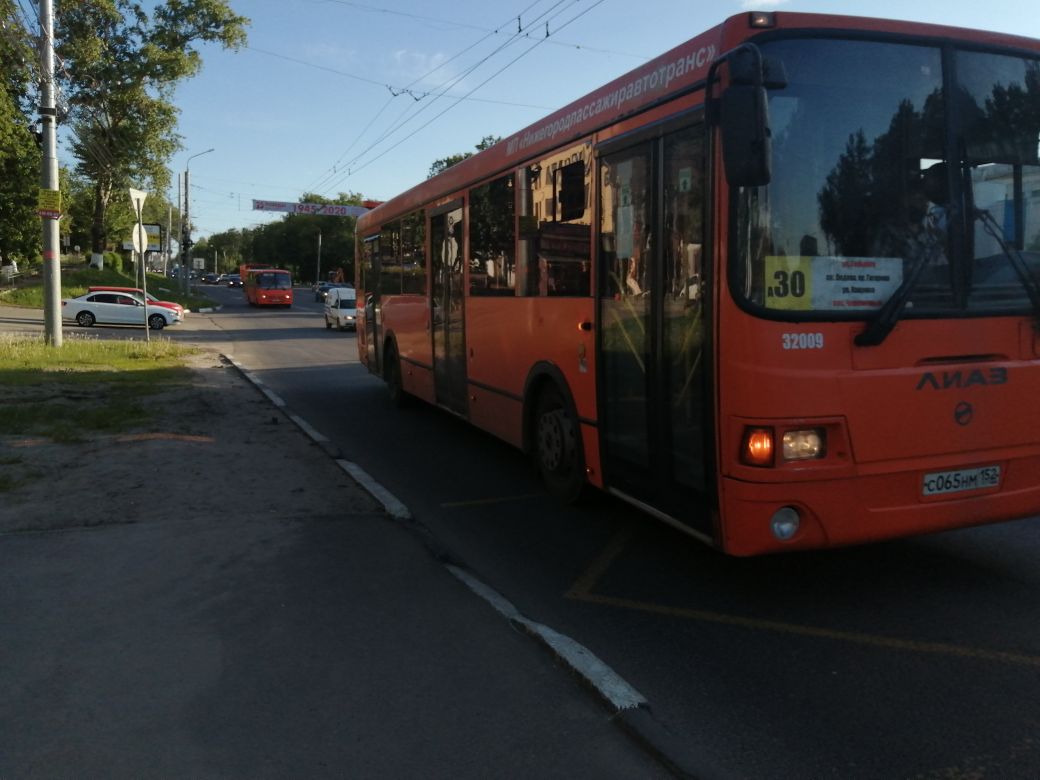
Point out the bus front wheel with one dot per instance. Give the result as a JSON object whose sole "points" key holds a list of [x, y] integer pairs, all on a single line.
{"points": [[392, 375], [557, 451]]}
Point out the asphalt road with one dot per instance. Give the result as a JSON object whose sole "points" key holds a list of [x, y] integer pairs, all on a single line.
{"points": [[915, 658]]}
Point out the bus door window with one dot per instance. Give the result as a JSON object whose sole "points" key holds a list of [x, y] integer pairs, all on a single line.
{"points": [[625, 236], [448, 335], [370, 284], [683, 301], [652, 324]]}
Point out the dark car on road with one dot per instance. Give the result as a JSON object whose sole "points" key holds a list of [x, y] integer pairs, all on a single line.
{"points": [[322, 290]]}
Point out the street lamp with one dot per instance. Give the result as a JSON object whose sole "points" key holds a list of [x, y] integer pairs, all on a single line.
{"points": [[186, 239]]}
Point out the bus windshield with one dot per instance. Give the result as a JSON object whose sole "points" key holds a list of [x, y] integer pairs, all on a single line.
{"points": [[270, 280], [899, 171]]}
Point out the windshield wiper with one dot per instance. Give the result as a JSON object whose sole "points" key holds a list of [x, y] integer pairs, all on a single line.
{"points": [[885, 320], [1029, 283]]}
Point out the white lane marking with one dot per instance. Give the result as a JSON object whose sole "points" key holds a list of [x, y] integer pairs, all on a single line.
{"points": [[582, 660], [390, 502], [306, 428]]}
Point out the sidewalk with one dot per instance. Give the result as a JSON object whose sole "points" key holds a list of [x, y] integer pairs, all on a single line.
{"points": [[215, 597]]}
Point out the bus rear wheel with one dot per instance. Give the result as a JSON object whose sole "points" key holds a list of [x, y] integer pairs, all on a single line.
{"points": [[556, 450]]}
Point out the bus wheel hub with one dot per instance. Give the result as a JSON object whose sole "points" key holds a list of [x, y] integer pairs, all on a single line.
{"points": [[552, 439]]}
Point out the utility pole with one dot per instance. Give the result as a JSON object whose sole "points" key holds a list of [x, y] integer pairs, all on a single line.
{"points": [[186, 241], [180, 237], [169, 239], [49, 180], [317, 271]]}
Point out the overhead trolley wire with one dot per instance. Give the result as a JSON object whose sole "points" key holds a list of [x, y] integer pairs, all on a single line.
{"points": [[402, 122], [334, 169], [467, 25], [489, 78]]}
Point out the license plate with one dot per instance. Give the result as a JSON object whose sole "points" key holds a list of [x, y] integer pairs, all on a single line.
{"points": [[939, 482]]}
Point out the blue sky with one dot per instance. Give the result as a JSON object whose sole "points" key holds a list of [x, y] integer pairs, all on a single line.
{"points": [[304, 106]]}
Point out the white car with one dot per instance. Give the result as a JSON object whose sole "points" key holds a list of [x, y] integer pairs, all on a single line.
{"points": [[341, 308], [116, 308]]}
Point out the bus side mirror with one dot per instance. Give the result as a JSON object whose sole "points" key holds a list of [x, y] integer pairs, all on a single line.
{"points": [[747, 151], [746, 143]]}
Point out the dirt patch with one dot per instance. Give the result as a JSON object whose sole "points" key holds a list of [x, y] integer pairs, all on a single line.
{"points": [[212, 448]]}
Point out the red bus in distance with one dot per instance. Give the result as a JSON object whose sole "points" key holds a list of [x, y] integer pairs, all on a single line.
{"points": [[265, 286], [777, 287]]}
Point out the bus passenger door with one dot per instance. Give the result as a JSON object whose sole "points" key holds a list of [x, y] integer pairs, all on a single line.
{"points": [[653, 332], [370, 285], [449, 343]]}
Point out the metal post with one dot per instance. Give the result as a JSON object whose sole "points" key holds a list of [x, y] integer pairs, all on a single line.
{"points": [[317, 270], [187, 213], [169, 242], [180, 237], [140, 245], [187, 229], [49, 180]]}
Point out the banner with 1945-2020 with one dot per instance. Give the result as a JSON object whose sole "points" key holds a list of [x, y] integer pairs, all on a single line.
{"points": [[318, 209]]}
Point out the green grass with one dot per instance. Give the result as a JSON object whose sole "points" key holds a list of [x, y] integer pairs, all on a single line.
{"points": [[86, 385], [29, 293]]}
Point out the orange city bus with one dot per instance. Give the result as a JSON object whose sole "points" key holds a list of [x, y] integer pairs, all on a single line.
{"points": [[266, 286], [777, 287]]}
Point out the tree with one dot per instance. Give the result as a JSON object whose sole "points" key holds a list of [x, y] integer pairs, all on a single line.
{"points": [[441, 165], [20, 234], [120, 68]]}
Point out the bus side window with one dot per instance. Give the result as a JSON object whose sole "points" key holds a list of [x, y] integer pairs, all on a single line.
{"points": [[413, 253], [555, 225], [390, 266], [492, 265]]}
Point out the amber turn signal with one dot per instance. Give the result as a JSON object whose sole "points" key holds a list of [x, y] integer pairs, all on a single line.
{"points": [[757, 449]]}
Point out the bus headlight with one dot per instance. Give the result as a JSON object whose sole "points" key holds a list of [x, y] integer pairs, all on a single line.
{"points": [[804, 445]]}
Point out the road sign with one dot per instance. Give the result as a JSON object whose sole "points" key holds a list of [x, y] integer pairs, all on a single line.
{"points": [[48, 203], [154, 234], [140, 240]]}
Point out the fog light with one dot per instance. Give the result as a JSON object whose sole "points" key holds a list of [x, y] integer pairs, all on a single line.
{"points": [[785, 523], [803, 445]]}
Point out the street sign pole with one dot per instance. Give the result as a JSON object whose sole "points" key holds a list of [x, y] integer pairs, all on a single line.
{"points": [[141, 246]]}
